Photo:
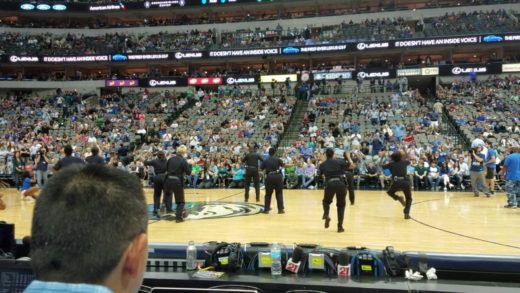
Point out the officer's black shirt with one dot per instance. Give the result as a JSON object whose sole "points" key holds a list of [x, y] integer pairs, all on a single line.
{"points": [[252, 159], [398, 169], [94, 160], [67, 161], [333, 168], [178, 166], [159, 166], [271, 164]]}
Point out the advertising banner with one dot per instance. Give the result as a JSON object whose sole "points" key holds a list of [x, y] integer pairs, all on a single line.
{"points": [[240, 79], [513, 67], [278, 78], [424, 71], [375, 73], [164, 82], [205, 81], [122, 83], [332, 75]]}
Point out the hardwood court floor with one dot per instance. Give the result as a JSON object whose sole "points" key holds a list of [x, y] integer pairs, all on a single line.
{"points": [[442, 222]]}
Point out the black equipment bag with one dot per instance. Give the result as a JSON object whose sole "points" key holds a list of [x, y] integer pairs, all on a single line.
{"points": [[7, 241], [224, 256]]}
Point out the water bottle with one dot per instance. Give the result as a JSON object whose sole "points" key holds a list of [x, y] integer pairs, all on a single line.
{"points": [[276, 260], [191, 256]]}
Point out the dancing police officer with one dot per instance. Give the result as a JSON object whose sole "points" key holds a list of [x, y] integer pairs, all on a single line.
{"points": [[251, 161], [159, 168], [334, 172], [273, 181], [176, 168], [400, 182]]}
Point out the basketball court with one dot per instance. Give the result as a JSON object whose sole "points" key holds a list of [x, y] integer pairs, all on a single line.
{"points": [[451, 222]]}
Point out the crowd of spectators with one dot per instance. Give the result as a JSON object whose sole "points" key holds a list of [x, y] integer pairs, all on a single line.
{"points": [[129, 129], [368, 30], [34, 126], [486, 109], [471, 23], [222, 17], [364, 126], [218, 127], [72, 44]]}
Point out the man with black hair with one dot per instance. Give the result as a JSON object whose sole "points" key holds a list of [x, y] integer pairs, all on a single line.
{"points": [[400, 182], [94, 158], [334, 172], [273, 181], [159, 168], [89, 232], [251, 161], [68, 160], [176, 168]]}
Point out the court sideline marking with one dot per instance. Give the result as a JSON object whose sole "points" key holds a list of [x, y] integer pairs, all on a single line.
{"points": [[456, 233]]}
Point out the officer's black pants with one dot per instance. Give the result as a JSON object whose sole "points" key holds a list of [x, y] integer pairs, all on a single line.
{"points": [[158, 181], [176, 187], [252, 173], [337, 188], [404, 186], [350, 187], [274, 182]]}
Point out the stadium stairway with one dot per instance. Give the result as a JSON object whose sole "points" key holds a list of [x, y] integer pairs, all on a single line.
{"points": [[449, 130], [292, 130], [137, 140]]}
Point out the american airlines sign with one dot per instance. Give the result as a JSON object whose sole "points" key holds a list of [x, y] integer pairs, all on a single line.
{"points": [[332, 75]]}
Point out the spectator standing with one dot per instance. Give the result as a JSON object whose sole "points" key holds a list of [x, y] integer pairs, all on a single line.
{"points": [[94, 158], [512, 175], [477, 171], [491, 158], [68, 160], [42, 166]]}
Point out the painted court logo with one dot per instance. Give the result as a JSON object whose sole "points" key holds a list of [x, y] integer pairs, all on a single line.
{"points": [[216, 210]]}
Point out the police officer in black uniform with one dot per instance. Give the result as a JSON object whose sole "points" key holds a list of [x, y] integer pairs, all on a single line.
{"points": [[273, 180], [334, 172], [176, 168], [350, 176], [159, 168], [251, 160], [400, 181]]}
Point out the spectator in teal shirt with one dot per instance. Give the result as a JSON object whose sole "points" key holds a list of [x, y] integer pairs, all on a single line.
{"points": [[238, 177]]}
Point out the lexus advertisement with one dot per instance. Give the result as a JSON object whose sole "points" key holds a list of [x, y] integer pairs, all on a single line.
{"points": [[265, 52]]}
